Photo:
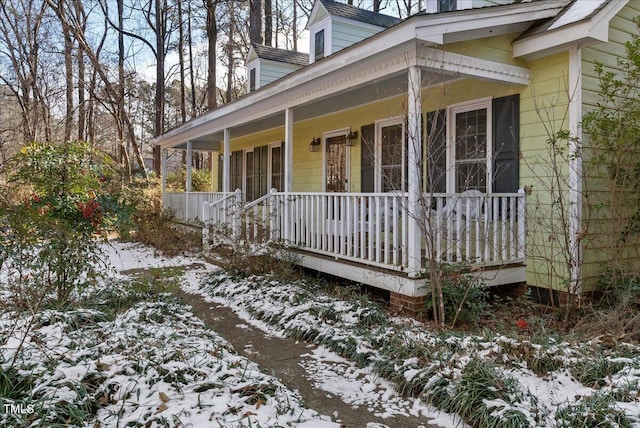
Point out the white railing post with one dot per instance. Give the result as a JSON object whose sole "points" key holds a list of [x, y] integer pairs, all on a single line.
{"points": [[237, 211], [273, 210], [522, 224]]}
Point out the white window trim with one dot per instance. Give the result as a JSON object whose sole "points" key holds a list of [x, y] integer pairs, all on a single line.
{"points": [[324, 24], [254, 65], [383, 123], [454, 109], [323, 147], [270, 163]]}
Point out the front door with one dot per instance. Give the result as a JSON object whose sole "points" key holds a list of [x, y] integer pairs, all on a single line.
{"points": [[336, 164]]}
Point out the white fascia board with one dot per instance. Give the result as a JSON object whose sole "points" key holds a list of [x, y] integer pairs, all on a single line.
{"points": [[559, 40], [580, 34], [475, 67], [320, 79], [282, 93], [436, 28]]}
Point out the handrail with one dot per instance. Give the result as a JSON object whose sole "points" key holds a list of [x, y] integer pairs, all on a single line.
{"points": [[209, 205], [261, 199]]}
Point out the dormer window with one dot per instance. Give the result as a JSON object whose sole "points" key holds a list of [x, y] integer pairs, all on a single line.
{"points": [[319, 45], [252, 80], [447, 5]]}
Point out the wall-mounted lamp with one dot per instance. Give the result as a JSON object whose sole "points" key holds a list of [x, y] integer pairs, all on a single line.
{"points": [[314, 145], [352, 138]]}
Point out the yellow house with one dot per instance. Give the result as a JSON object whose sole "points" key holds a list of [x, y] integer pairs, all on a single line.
{"points": [[398, 141]]}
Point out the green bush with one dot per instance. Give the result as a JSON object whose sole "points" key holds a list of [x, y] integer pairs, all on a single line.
{"points": [[200, 180], [66, 205], [462, 293]]}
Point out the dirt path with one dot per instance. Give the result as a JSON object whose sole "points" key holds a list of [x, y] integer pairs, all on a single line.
{"points": [[282, 358]]}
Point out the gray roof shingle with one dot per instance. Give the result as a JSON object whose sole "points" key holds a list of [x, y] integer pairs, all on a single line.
{"points": [[351, 12], [281, 55]]}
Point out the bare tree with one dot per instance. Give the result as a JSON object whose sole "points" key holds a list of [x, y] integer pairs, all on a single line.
{"points": [[22, 38]]}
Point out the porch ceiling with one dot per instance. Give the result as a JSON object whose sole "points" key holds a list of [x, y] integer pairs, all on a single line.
{"points": [[378, 89]]}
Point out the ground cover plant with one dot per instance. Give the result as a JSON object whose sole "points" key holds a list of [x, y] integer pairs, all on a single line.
{"points": [[488, 379], [127, 353]]}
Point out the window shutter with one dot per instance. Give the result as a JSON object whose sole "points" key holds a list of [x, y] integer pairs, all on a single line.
{"points": [[506, 144], [437, 151], [260, 170], [367, 159]]}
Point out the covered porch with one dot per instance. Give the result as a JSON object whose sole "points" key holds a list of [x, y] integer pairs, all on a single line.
{"points": [[365, 236], [383, 227]]}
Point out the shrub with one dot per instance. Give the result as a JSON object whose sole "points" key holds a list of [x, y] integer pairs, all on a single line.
{"points": [[51, 232], [464, 296]]}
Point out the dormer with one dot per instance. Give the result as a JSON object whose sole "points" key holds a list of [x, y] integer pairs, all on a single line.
{"points": [[266, 64], [334, 26]]}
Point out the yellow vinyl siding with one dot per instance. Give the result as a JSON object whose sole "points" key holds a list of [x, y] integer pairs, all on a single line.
{"points": [[543, 112], [601, 246], [496, 48]]}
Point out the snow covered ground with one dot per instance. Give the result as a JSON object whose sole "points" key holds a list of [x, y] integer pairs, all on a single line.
{"points": [[155, 363]]}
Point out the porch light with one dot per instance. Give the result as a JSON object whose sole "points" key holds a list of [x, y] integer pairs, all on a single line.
{"points": [[314, 145], [352, 138]]}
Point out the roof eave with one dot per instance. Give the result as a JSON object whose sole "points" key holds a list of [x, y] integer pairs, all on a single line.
{"points": [[385, 40], [583, 33]]}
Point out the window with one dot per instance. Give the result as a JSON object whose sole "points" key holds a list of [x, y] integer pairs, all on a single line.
{"points": [[447, 5], [252, 80], [391, 155], [482, 146], [319, 45], [469, 157]]}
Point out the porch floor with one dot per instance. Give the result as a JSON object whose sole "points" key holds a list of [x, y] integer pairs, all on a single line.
{"points": [[398, 281]]}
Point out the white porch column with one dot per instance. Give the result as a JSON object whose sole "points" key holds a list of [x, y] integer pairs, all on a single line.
{"points": [[163, 168], [288, 167], [226, 161], [187, 185], [189, 166], [414, 242], [288, 147]]}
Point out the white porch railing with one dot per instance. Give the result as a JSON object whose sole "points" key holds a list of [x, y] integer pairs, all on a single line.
{"points": [[371, 228], [187, 206]]}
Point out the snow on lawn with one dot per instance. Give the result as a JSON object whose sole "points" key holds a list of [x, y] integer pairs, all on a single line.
{"points": [[151, 364], [489, 381]]}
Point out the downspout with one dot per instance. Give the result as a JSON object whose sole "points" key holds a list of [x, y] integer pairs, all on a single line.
{"points": [[575, 166]]}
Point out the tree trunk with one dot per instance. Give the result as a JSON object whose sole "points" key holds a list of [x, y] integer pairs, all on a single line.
{"points": [[255, 21], [192, 79], [268, 23], [68, 69], [159, 98], [123, 154], [212, 39], [294, 25], [183, 97]]}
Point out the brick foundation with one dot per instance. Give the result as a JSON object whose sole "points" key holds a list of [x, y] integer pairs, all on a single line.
{"points": [[411, 305]]}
